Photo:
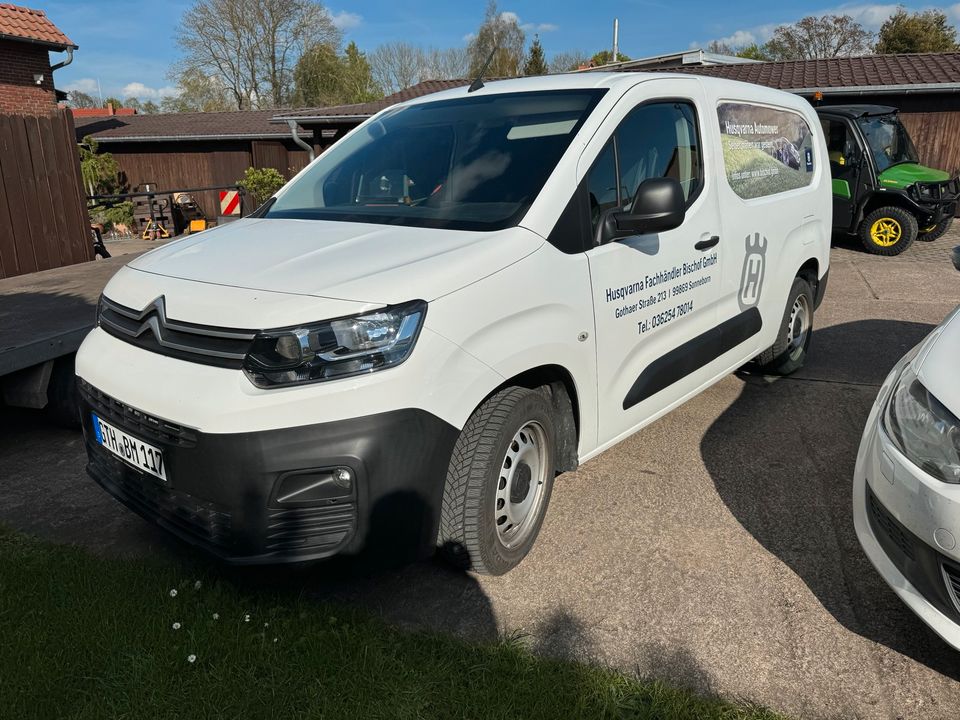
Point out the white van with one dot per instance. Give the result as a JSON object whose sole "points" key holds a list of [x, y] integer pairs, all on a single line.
{"points": [[467, 295]]}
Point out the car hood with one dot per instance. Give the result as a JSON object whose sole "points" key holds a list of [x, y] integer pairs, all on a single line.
{"points": [[360, 262], [906, 174], [938, 366]]}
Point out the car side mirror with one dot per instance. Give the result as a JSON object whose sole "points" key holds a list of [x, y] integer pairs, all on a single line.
{"points": [[659, 205]]}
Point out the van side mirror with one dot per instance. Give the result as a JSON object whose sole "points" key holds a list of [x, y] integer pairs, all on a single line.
{"points": [[658, 205]]}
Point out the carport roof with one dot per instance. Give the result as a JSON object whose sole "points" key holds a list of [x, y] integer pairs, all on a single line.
{"points": [[361, 111], [24, 24], [868, 74], [235, 125]]}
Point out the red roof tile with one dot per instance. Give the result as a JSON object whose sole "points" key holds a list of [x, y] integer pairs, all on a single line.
{"points": [[237, 124], [20, 23]]}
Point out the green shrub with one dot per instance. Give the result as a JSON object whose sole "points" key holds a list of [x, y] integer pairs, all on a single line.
{"points": [[261, 183]]}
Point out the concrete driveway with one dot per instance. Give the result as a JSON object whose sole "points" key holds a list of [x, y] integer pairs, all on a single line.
{"points": [[714, 549]]}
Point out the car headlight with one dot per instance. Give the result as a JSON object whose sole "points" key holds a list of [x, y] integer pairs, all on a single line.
{"points": [[923, 429], [335, 348]]}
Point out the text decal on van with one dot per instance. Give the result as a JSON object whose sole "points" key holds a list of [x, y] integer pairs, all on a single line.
{"points": [[765, 150]]}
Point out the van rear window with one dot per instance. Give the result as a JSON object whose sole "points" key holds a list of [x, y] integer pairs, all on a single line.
{"points": [[765, 150], [472, 163]]}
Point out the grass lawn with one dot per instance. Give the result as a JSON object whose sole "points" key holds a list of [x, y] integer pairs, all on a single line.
{"points": [[84, 637]]}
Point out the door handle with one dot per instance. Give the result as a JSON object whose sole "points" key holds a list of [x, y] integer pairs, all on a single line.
{"points": [[708, 243]]}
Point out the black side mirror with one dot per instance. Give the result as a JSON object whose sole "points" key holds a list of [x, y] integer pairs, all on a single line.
{"points": [[658, 205], [956, 257]]}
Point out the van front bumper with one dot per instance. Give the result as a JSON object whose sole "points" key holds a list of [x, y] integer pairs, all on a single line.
{"points": [[236, 495]]}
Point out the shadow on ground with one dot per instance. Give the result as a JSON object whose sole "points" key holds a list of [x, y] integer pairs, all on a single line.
{"points": [[794, 497]]}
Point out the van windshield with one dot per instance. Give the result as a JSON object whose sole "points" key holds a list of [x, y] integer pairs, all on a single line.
{"points": [[889, 142], [473, 163]]}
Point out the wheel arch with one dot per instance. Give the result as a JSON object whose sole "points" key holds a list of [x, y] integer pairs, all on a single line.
{"points": [[558, 384]]}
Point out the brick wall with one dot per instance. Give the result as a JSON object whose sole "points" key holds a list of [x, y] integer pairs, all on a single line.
{"points": [[19, 61]]}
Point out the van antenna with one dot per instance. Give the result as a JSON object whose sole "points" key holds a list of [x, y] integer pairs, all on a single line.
{"points": [[477, 83]]}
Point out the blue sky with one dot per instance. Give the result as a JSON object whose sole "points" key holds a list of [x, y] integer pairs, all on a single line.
{"points": [[129, 45]]}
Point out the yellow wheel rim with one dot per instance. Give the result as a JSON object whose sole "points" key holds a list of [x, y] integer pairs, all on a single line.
{"points": [[928, 229], [886, 232]]}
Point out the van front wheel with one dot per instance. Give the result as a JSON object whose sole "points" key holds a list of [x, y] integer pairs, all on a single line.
{"points": [[789, 352], [499, 482]]}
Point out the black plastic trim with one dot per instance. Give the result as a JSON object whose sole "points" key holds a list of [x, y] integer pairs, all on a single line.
{"points": [[693, 355], [220, 493], [821, 290]]}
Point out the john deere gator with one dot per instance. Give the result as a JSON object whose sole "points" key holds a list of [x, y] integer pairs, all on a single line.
{"points": [[881, 192]]}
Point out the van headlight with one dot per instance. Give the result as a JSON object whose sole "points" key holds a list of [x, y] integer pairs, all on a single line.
{"points": [[335, 348], [923, 429]]}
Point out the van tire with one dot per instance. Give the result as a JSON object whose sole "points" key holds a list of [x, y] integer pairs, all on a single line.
{"points": [[789, 352], [515, 423], [63, 397], [937, 232], [896, 219]]}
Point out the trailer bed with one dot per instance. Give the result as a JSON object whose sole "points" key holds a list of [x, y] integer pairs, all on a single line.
{"points": [[46, 314]]}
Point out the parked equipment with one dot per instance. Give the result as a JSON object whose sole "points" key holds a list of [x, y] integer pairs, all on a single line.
{"points": [[881, 192]]}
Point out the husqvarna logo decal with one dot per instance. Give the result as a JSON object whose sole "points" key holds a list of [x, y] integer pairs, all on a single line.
{"points": [[751, 279]]}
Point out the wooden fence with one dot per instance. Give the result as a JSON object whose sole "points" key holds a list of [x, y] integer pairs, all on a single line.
{"points": [[43, 216]]}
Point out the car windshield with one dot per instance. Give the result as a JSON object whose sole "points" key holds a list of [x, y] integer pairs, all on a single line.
{"points": [[890, 144], [473, 163]]}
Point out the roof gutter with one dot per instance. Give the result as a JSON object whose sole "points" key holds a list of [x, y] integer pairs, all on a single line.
{"points": [[63, 63], [177, 138], [58, 47], [323, 118], [297, 139], [919, 89]]}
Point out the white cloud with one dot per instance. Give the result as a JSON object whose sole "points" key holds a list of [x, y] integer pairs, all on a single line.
{"points": [[84, 85], [953, 13], [145, 92], [345, 20], [468, 37], [509, 16]]}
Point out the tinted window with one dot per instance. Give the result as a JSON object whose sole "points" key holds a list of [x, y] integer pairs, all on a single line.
{"points": [[765, 150], [474, 163], [888, 140], [656, 140]]}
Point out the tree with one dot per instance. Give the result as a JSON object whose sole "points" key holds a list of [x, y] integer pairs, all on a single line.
{"points": [[197, 92], [536, 63], [115, 101], [922, 31], [149, 108], [605, 57], [99, 170], [500, 36], [814, 37], [133, 103], [253, 45], [322, 77], [398, 65], [79, 99], [753, 51], [566, 61]]}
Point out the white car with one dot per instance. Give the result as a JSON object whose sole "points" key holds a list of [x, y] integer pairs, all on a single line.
{"points": [[467, 295], [906, 488]]}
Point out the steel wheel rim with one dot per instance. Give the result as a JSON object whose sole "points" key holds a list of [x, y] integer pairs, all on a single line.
{"points": [[886, 232], [798, 326], [521, 485]]}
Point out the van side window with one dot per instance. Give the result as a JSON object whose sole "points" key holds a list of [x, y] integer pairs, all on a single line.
{"points": [[654, 140]]}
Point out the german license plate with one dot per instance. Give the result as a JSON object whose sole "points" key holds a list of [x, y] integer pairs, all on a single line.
{"points": [[131, 450]]}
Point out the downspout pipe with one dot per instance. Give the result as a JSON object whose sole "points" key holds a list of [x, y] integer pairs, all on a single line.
{"points": [[298, 140], [63, 63]]}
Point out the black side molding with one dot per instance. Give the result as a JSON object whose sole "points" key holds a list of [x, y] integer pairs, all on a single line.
{"points": [[693, 355]]}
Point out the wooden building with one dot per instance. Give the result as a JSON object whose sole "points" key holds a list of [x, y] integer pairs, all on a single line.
{"points": [[43, 219], [188, 150]]}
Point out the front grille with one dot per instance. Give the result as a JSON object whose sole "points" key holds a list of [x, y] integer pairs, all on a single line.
{"points": [[200, 520], [152, 330], [894, 531], [310, 528], [951, 575], [136, 421]]}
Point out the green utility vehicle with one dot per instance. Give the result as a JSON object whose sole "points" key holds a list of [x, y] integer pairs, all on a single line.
{"points": [[880, 190]]}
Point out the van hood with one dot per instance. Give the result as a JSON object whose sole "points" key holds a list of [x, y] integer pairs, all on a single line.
{"points": [[383, 264]]}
